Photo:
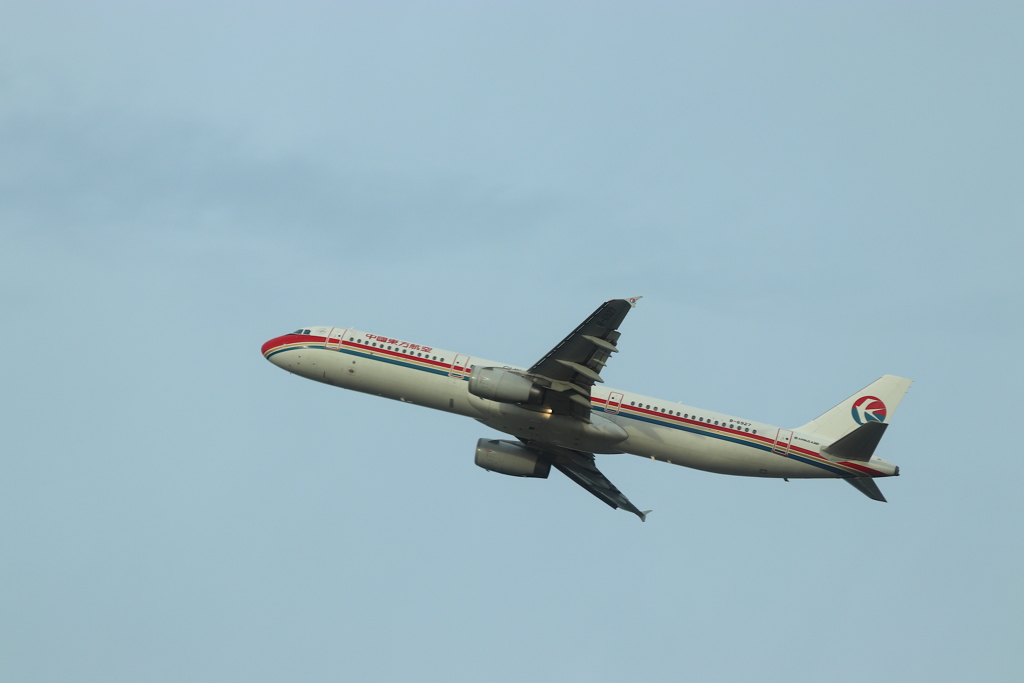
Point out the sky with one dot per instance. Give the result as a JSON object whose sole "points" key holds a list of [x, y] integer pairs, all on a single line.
{"points": [[807, 195]]}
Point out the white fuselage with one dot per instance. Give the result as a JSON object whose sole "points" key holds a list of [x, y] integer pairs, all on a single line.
{"points": [[654, 428]]}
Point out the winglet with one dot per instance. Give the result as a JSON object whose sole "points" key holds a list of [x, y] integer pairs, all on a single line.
{"points": [[632, 301]]}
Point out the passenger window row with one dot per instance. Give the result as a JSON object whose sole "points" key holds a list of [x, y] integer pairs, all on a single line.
{"points": [[418, 354], [687, 416]]}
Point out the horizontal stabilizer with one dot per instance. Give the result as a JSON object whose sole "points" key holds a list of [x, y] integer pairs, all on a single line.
{"points": [[868, 487], [859, 444]]}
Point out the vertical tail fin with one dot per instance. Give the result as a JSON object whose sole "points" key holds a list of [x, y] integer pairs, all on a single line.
{"points": [[874, 403]]}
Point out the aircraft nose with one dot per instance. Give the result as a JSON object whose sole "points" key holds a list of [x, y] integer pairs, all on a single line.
{"points": [[271, 345]]}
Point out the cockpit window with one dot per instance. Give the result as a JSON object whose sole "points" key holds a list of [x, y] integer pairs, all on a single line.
{"points": [[305, 332], [297, 332]]}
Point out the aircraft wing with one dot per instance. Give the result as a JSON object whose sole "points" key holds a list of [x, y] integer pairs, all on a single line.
{"points": [[575, 364], [581, 468]]}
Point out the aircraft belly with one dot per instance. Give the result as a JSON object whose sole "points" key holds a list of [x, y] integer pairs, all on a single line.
{"points": [[599, 436], [714, 455]]}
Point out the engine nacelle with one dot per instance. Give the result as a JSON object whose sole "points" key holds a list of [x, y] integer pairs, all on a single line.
{"points": [[506, 457], [504, 386]]}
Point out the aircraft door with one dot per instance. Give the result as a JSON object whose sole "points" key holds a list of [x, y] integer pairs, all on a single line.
{"points": [[782, 442], [459, 367], [614, 401], [334, 338]]}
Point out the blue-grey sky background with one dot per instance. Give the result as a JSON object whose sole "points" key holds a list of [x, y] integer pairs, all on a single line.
{"points": [[808, 196]]}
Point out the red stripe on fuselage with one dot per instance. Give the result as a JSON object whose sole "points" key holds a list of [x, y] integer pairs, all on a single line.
{"points": [[678, 418], [729, 430], [289, 339], [395, 354], [286, 339], [861, 468]]}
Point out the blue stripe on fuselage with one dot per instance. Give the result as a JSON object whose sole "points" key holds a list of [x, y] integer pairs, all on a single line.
{"points": [[724, 437]]}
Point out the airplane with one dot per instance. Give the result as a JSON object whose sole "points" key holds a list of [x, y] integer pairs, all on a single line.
{"points": [[561, 418]]}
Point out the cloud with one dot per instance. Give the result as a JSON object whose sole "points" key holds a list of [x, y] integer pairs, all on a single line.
{"points": [[101, 173]]}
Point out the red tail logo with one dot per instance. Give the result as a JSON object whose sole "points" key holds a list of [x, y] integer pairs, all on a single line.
{"points": [[868, 409]]}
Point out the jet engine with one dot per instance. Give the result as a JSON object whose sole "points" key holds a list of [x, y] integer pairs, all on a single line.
{"points": [[504, 386], [507, 457]]}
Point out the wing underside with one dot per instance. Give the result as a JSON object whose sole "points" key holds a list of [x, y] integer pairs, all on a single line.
{"points": [[580, 467]]}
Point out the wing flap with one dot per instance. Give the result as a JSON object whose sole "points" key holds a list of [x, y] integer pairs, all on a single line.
{"points": [[575, 364], [582, 369]]}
